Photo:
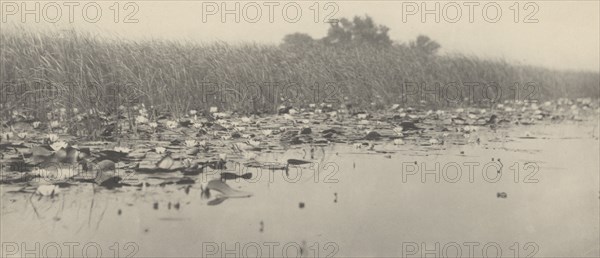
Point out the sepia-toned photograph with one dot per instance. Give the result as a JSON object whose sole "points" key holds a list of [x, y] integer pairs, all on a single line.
{"points": [[299, 128]]}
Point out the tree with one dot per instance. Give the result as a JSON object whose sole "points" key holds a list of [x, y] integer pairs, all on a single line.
{"points": [[298, 39], [425, 45], [360, 31]]}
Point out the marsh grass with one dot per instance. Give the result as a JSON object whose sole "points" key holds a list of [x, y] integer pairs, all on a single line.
{"points": [[45, 70]]}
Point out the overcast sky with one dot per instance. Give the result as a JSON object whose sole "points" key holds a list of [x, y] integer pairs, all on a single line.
{"points": [[561, 34]]}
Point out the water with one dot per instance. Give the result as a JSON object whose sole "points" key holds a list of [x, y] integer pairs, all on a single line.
{"points": [[359, 203]]}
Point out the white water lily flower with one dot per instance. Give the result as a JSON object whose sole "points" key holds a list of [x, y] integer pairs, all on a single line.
{"points": [[250, 155], [160, 150], [318, 111], [36, 124], [253, 143], [288, 117], [22, 135], [202, 143], [171, 124], [312, 105], [193, 112], [213, 110], [292, 111], [246, 136], [141, 119], [58, 145], [7, 135], [398, 142], [221, 115], [52, 137], [398, 130], [362, 116], [191, 143], [197, 125], [153, 124], [267, 132], [46, 190], [122, 149], [54, 124], [246, 119]]}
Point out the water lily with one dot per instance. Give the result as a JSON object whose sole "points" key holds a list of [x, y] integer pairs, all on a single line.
{"points": [[160, 150], [7, 135], [52, 137], [36, 124], [312, 105], [191, 143], [398, 129], [213, 109], [193, 112], [153, 124], [267, 132], [171, 124], [288, 117], [292, 111], [221, 115], [22, 135], [223, 156], [253, 143], [246, 119], [197, 125], [141, 119], [122, 149], [59, 145], [46, 190], [54, 124]]}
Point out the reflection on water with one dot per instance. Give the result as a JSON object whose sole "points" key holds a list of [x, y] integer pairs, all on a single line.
{"points": [[524, 196]]}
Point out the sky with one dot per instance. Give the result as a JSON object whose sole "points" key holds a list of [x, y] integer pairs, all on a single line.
{"points": [[553, 34]]}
